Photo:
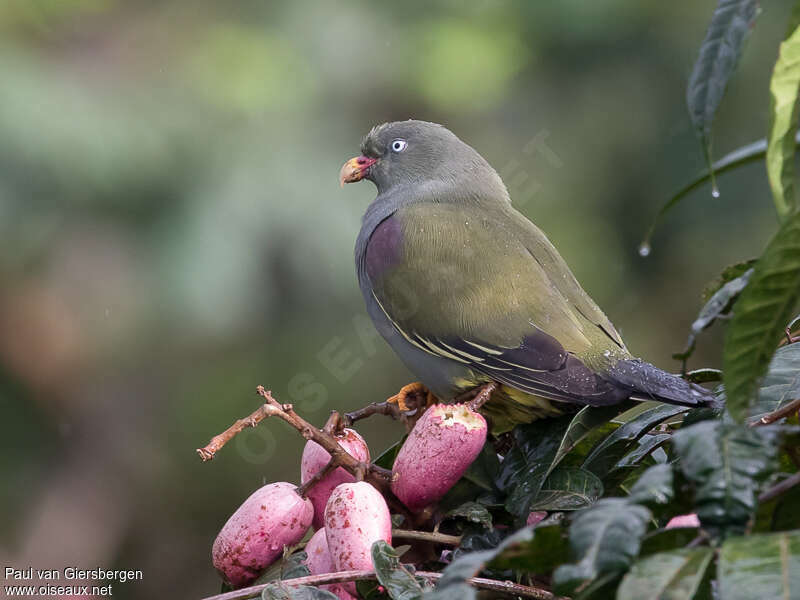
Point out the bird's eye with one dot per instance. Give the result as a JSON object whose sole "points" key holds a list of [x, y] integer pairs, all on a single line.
{"points": [[399, 145]]}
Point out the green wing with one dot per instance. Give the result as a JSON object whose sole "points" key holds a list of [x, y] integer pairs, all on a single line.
{"points": [[470, 282]]}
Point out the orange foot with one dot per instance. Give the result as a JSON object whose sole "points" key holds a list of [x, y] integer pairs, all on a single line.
{"points": [[409, 392]]}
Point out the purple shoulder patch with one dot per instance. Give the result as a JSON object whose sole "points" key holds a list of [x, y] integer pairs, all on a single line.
{"points": [[385, 247]]}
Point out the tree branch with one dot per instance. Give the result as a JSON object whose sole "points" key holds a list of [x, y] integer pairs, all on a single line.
{"points": [[507, 588], [779, 488], [426, 536], [783, 411], [377, 476]]}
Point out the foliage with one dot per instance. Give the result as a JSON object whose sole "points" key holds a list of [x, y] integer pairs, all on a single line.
{"points": [[610, 478]]}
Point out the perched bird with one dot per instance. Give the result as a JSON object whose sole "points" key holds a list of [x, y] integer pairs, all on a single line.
{"points": [[468, 291]]}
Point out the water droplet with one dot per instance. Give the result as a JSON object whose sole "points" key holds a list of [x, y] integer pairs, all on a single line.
{"points": [[644, 249], [714, 191], [607, 353]]}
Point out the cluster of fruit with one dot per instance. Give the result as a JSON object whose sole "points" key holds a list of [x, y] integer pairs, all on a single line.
{"points": [[349, 516]]}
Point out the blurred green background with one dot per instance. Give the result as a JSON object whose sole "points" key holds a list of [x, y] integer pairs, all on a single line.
{"points": [[172, 233]]}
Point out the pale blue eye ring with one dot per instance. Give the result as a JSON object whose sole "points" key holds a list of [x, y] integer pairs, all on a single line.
{"points": [[399, 145]]}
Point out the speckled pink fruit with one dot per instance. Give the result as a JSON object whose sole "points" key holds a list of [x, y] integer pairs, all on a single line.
{"points": [[440, 448], [356, 517], [274, 516], [319, 562], [315, 457]]}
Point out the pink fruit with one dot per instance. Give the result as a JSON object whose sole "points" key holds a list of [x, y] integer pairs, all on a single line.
{"points": [[315, 457], [274, 516], [689, 520], [535, 517], [320, 562], [440, 448], [356, 517]]}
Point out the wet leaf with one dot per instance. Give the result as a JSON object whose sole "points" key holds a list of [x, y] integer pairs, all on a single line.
{"points": [[608, 452], [472, 511], [719, 54], [759, 317], [568, 488], [726, 463]]}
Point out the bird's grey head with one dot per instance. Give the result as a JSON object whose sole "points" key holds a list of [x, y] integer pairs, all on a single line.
{"points": [[417, 154]]}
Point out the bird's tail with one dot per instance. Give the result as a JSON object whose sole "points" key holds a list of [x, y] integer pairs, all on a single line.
{"points": [[647, 382]]}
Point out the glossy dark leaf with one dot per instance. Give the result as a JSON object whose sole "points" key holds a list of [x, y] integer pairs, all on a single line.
{"points": [[525, 467], [759, 317], [585, 421], [646, 445], [675, 575], [703, 376], [469, 565], [544, 552], [763, 566], [568, 488], [653, 487], [484, 469], [386, 458], [718, 57], [399, 582], [781, 384], [726, 463], [472, 511], [604, 539], [608, 452], [281, 591]]}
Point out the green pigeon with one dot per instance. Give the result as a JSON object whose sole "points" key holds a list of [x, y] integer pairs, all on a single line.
{"points": [[468, 291]]}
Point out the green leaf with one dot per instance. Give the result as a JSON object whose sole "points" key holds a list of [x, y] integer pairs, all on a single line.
{"points": [[607, 453], [386, 458], [726, 463], [400, 584], [568, 488], [526, 465], [784, 87], [472, 511], [719, 304], [604, 539], [484, 469], [281, 591], [661, 540], [729, 273], [750, 153], [291, 565], [719, 55], [781, 384], [760, 315], [540, 555], [469, 565], [703, 375], [653, 487], [647, 445], [585, 421], [765, 567], [675, 575]]}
